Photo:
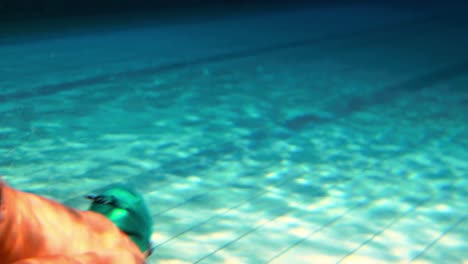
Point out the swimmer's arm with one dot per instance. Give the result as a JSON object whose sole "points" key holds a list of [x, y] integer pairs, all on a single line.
{"points": [[114, 257]]}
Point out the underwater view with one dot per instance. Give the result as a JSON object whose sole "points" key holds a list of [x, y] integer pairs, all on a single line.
{"points": [[326, 134]]}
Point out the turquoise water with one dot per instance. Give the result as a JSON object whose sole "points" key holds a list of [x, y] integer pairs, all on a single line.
{"points": [[333, 135]]}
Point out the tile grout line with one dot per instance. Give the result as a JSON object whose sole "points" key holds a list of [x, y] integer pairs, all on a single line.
{"points": [[248, 232], [379, 232], [194, 197], [249, 199], [306, 237], [437, 239]]}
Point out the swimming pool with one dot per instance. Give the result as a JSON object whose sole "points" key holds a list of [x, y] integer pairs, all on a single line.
{"points": [[329, 135]]}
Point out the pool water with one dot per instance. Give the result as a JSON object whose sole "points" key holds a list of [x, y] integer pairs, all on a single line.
{"points": [[322, 135]]}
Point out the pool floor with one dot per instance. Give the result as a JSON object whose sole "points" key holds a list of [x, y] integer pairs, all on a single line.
{"points": [[334, 135]]}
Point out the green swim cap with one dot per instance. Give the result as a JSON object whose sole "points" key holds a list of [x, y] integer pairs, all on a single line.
{"points": [[127, 210]]}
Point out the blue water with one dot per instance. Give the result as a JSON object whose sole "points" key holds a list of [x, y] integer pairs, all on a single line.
{"points": [[329, 135]]}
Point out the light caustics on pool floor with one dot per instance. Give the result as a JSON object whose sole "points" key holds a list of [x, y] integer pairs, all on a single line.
{"points": [[289, 208]]}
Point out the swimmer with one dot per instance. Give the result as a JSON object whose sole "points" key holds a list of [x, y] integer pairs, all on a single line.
{"points": [[33, 229]]}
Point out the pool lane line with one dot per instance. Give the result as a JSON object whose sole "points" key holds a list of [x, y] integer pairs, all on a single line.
{"points": [[437, 239], [445, 73], [49, 89], [379, 232], [390, 92], [317, 230], [246, 233]]}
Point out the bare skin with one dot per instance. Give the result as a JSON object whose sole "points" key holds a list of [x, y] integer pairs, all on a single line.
{"points": [[34, 229]]}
